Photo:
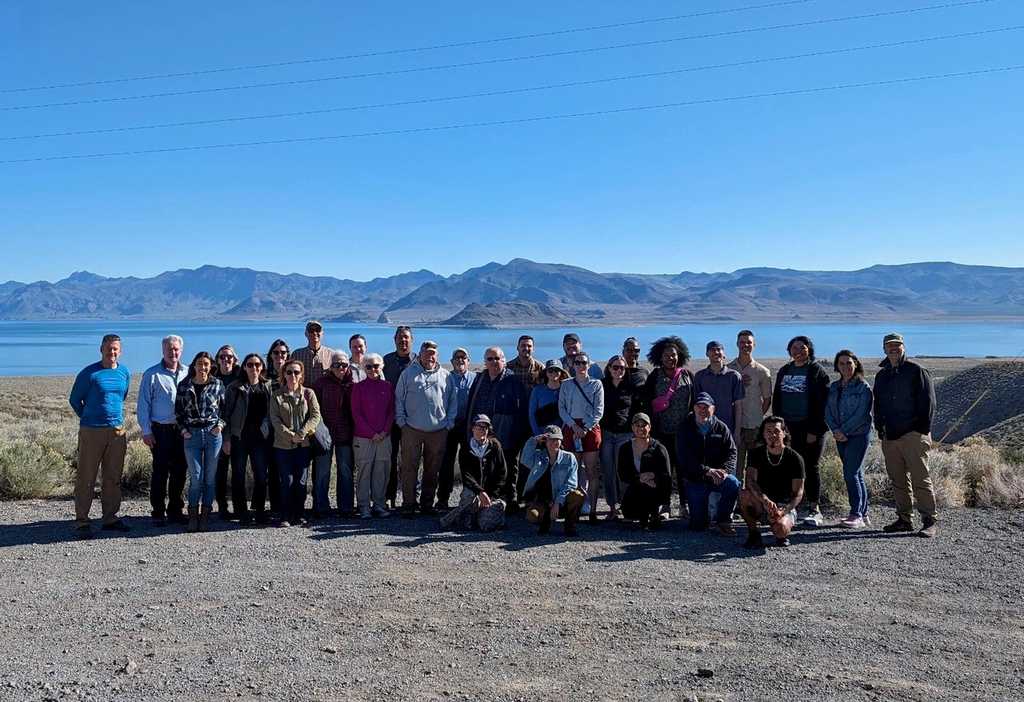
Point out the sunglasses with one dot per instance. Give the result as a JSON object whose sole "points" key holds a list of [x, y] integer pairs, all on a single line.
{"points": [[622, 368], [581, 363], [293, 372], [250, 364], [339, 365], [371, 365], [225, 357], [492, 359], [459, 358]]}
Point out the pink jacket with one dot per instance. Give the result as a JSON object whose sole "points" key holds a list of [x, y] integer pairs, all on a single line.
{"points": [[373, 407]]}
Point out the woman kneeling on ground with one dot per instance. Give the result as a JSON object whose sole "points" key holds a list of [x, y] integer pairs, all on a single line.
{"points": [[483, 473], [774, 484], [551, 488], [644, 468]]}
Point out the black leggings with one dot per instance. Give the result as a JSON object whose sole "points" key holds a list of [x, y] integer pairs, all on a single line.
{"points": [[811, 453]]}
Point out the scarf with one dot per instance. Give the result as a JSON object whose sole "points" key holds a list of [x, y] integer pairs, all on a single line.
{"points": [[478, 448]]}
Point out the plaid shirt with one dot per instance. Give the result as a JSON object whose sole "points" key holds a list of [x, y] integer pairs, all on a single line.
{"points": [[199, 406], [317, 363], [528, 374]]}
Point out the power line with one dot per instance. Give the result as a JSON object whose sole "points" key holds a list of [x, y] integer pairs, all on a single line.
{"points": [[415, 49], [524, 120], [514, 91], [510, 59]]}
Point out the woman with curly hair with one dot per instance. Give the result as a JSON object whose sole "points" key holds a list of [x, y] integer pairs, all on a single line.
{"points": [[668, 395]]}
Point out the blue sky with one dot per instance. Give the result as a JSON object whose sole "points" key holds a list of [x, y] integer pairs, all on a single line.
{"points": [[843, 179]]}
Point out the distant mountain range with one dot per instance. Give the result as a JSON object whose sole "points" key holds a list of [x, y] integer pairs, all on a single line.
{"points": [[522, 292]]}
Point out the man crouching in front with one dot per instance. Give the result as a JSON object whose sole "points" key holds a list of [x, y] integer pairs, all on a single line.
{"points": [[551, 488], [774, 484]]}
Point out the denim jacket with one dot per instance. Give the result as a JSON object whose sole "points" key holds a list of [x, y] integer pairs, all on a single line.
{"points": [[849, 409], [564, 472]]}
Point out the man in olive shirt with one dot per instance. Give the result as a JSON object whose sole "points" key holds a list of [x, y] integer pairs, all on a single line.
{"points": [[757, 398]]}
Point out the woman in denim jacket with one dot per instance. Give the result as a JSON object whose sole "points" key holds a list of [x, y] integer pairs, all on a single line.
{"points": [[848, 415], [551, 487]]}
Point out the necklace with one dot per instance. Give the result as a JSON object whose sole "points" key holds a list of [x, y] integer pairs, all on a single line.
{"points": [[770, 461]]}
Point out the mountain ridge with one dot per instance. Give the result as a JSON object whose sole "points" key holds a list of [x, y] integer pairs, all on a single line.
{"points": [[929, 290]]}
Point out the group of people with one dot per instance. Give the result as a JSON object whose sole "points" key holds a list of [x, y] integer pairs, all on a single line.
{"points": [[541, 438]]}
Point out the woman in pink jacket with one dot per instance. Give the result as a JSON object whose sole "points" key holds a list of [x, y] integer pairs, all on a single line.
{"points": [[373, 413]]}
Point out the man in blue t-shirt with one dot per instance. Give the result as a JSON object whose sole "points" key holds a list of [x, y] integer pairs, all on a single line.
{"points": [[97, 397]]}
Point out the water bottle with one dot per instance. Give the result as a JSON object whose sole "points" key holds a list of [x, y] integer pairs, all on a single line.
{"points": [[577, 445]]}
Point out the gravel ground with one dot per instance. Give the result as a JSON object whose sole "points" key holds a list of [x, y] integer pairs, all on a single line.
{"points": [[399, 609]]}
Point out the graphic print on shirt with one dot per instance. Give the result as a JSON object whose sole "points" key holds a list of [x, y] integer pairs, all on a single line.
{"points": [[794, 383]]}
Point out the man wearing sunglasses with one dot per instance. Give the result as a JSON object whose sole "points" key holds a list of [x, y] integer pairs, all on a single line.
{"points": [[315, 357], [497, 393]]}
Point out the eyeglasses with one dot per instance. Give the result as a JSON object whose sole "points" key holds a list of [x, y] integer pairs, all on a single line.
{"points": [[368, 366], [339, 365], [492, 359], [622, 368], [250, 364], [460, 358], [293, 372], [279, 352]]}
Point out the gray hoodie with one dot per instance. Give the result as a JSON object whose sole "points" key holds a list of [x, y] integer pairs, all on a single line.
{"points": [[426, 400]]}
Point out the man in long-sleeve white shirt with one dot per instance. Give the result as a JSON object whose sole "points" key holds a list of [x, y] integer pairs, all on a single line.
{"points": [[155, 412]]}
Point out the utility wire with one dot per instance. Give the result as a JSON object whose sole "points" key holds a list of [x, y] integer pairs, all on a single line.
{"points": [[415, 49], [514, 91], [510, 59], [524, 120]]}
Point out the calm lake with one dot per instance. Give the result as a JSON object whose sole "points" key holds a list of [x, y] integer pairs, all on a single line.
{"points": [[59, 348]]}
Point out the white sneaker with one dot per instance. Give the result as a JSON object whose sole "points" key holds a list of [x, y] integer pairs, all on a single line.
{"points": [[814, 518], [852, 522]]}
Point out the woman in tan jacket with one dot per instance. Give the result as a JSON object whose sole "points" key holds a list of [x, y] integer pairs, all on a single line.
{"points": [[295, 413]]}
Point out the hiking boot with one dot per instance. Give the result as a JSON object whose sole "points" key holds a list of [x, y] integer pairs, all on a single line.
{"points": [[381, 512], [754, 540], [655, 523], [159, 520], [928, 528], [782, 543], [83, 532], [204, 518], [116, 525], [193, 519], [900, 525]]}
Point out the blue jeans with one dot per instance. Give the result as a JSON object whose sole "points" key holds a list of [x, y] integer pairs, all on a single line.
{"points": [[342, 453], [851, 453], [293, 467], [697, 495], [610, 445], [201, 451]]}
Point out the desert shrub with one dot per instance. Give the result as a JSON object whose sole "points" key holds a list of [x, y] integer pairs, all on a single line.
{"points": [[1003, 488], [833, 486], [947, 472], [138, 468], [28, 471]]}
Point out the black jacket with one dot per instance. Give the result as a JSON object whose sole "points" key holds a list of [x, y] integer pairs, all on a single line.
{"points": [[485, 474], [904, 400], [818, 381], [697, 453], [654, 459], [620, 404]]}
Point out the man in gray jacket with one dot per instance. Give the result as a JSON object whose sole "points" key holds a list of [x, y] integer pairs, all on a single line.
{"points": [[426, 405]]}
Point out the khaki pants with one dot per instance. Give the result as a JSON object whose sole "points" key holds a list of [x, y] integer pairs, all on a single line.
{"points": [[746, 441], [373, 465], [428, 445], [106, 447], [906, 462]]}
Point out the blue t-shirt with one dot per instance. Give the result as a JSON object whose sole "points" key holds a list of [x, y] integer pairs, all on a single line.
{"points": [[98, 394]]}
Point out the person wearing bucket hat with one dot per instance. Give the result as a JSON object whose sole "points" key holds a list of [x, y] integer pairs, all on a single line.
{"points": [[551, 486], [645, 469], [904, 403], [483, 475], [774, 484], [707, 461]]}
